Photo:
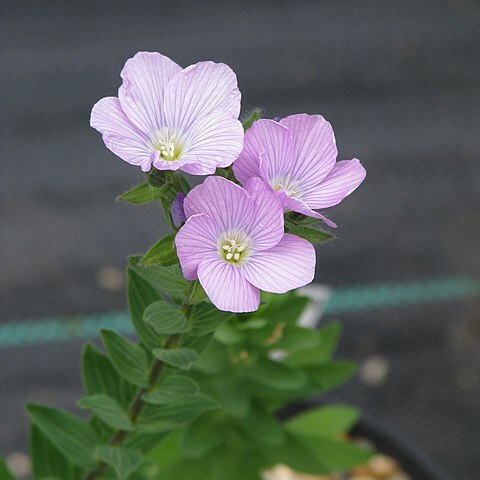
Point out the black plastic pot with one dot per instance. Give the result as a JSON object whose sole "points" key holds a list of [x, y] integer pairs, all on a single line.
{"points": [[413, 462]]}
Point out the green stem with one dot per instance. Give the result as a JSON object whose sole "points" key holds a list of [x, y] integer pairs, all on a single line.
{"points": [[136, 407]]}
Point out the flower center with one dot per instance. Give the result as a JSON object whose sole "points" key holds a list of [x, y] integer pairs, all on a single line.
{"points": [[169, 147], [290, 186], [232, 251]]}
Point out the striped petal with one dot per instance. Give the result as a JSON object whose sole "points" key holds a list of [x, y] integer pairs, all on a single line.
{"points": [[195, 241], [271, 142], [224, 201], [315, 148], [266, 229], [213, 141], [343, 179], [145, 77], [199, 90], [119, 134], [289, 265], [226, 287]]}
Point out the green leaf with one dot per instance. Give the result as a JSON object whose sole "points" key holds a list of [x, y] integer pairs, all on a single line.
{"points": [[182, 358], [165, 318], [140, 294], [163, 418], [329, 375], [99, 376], [276, 375], [328, 340], [338, 455], [162, 253], [108, 410], [324, 422], [202, 435], [166, 280], [312, 234], [5, 473], [197, 294], [254, 115], [144, 442], [295, 453], [69, 434], [141, 194], [234, 394], [296, 338], [214, 360], [129, 359], [205, 318], [262, 426], [170, 389], [124, 461], [299, 219], [47, 461]]}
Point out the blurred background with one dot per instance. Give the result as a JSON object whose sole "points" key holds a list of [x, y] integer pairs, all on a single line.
{"points": [[400, 82]]}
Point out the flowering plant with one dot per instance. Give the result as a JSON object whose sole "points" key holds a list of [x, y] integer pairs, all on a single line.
{"points": [[219, 348]]}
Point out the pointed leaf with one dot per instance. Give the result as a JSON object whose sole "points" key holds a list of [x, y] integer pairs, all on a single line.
{"points": [[312, 234], [47, 461], [140, 294], [129, 359], [141, 194], [276, 375], [167, 417], [338, 455], [108, 410], [205, 318], [69, 434], [329, 375], [170, 389], [325, 422], [166, 280], [165, 318], [262, 426], [254, 115], [124, 461], [5, 473], [197, 294], [100, 376], [202, 435], [182, 358], [162, 253], [234, 394]]}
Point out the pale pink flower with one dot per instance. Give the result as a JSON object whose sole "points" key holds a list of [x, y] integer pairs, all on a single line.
{"points": [[234, 243], [172, 118], [297, 157]]}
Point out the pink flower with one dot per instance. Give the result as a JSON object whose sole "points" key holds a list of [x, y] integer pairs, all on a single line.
{"points": [[234, 243], [172, 118], [297, 157]]}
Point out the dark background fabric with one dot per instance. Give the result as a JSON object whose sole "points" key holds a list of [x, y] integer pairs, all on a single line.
{"points": [[400, 82]]}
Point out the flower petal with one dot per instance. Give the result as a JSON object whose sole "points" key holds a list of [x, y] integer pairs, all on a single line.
{"points": [[226, 287], [315, 148], [213, 141], [296, 205], [266, 229], [226, 202], [343, 179], [289, 265], [195, 241], [119, 134], [198, 91], [272, 142], [145, 77]]}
